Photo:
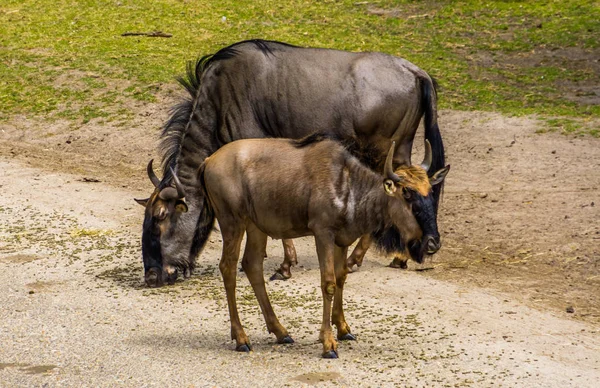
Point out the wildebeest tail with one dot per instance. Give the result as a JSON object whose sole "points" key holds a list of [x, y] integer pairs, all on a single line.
{"points": [[432, 132], [206, 220]]}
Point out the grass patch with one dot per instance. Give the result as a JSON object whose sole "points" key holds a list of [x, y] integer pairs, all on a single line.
{"points": [[508, 56], [89, 232], [568, 126]]}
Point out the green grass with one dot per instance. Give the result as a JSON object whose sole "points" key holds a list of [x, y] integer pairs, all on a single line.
{"points": [[68, 59]]}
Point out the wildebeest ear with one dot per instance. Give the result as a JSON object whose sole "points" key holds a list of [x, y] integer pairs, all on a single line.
{"points": [[439, 176], [389, 186], [181, 206], [143, 202]]}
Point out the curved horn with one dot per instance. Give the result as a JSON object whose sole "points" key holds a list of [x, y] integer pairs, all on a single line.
{"points": [[388, 170], [426, 163], [153, 178], [178, 185]]}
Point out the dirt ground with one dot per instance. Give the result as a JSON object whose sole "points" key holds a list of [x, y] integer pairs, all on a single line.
{"points": [[512, 299]]}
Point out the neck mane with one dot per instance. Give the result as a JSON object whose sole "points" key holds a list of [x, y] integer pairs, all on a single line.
{"points": [[186, 140]]}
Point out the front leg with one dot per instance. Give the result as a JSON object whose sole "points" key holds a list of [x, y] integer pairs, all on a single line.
{"points": [[325, 251], [337, 317]]}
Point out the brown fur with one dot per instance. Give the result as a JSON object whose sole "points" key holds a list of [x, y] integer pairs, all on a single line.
{"points": [[269, 187]]}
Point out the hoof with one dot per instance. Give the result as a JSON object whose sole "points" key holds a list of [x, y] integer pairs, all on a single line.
{"points": [[399, 263], [330, 354], [246, 348], [278, 276], [347, 337], [286, 340]]}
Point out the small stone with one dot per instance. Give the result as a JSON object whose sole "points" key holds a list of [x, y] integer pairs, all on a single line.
{"points": [[31, 292], [570, 310]]}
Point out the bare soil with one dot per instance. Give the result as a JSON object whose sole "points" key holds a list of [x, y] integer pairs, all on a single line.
{"points": [[521, 242]]}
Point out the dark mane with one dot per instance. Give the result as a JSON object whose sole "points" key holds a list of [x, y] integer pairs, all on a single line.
{"points": [[367, 154], [388, 240], [177, 126]]}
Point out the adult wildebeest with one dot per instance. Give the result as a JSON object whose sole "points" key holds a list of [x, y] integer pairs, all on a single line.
{"points": [[260, 89], [288, 189]]}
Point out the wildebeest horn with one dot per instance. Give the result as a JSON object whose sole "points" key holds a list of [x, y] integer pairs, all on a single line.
{"points": [[388, 170], [153, 178], [178, 186], [426, 163]]}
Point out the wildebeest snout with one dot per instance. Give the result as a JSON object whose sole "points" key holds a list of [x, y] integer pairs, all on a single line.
{"points": [[433, 244], [153, 277], [157, 277], [170, 274]]}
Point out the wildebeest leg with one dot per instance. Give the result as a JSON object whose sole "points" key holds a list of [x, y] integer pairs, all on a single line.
{"points": [[358, 254], [252, 263], [325, 251], [289, 260], [232, 239], [400, 261], [337, 316]]}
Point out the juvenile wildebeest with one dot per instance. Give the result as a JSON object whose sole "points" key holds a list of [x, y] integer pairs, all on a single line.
{"points": [[288, 189], [258, 89]]}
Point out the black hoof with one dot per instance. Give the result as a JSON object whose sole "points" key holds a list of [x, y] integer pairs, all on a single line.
{"points": [[277, 276], [347, 337], [246, 348], [286, 340], [399, 263], [330, 354]]}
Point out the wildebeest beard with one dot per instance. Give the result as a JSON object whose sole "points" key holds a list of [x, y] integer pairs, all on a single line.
{"points": [[389, 240]]}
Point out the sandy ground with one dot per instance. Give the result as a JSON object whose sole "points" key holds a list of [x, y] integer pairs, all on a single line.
{"points": [[521, 246]]}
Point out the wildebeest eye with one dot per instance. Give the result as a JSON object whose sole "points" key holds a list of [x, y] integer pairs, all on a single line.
{"points": [[162, 214]]}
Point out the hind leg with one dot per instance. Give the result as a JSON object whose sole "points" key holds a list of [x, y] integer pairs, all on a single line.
{"points": [[358, 254], [232, 239], [252, 263], [289, 260], [400, 261]]}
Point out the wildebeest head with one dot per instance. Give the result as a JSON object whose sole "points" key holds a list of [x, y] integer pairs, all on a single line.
{"points": [[161, 236], [415, 186]]}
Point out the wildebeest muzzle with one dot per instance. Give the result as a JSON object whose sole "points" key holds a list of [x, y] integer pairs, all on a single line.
{"points": [[157, 277]]}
